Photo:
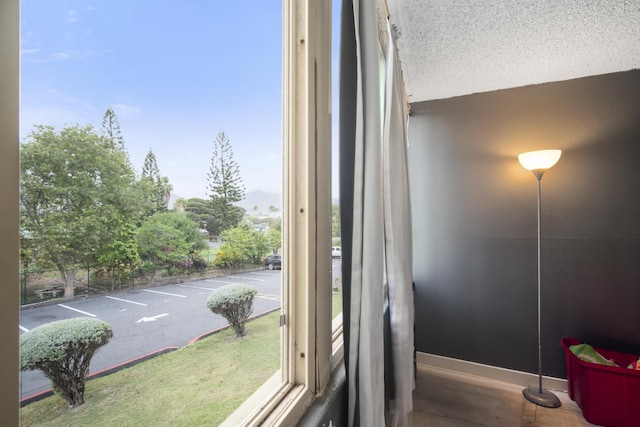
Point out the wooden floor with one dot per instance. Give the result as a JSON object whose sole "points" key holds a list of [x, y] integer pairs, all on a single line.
{"points": [[445, 398]]}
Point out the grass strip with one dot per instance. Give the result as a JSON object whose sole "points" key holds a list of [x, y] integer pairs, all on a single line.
{"points": [[200, 384]]}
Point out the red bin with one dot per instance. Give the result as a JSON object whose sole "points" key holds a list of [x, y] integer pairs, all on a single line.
{"points": [[608, 395]]}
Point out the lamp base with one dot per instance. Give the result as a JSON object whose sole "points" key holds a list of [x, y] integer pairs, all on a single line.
{"points": [[541, 397]]}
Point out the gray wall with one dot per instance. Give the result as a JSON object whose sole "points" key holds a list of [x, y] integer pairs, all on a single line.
{"points": [[474, 213]]}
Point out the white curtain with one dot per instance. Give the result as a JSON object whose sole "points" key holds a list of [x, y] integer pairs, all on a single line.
{"points": [[379, 263], [398, 240], [366, 344]]}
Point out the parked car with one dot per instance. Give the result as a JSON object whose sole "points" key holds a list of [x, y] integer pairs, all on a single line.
{"points": [[273, 261], [336, 252]]}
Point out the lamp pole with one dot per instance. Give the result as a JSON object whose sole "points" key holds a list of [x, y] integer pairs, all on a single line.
{"points": [[538, 162], [539, 179]]}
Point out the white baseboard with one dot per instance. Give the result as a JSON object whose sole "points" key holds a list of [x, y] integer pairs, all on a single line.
{"points": [[510, 376]]}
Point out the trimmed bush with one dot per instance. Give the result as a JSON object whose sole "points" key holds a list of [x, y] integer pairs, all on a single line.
{"points": [[62, 350], [234, 303]]}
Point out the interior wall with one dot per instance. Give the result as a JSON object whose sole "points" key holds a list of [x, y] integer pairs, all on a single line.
{"points": [[474, 213]]}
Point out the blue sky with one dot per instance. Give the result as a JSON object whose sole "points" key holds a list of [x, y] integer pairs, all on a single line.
{"points": [[175, 76]]}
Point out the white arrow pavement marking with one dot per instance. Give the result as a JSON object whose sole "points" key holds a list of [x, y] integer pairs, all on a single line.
{"points": [[152, 318], [165, 293]]}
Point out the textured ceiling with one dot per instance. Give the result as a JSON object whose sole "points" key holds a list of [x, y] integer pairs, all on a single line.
{"points": [[457, 47]]}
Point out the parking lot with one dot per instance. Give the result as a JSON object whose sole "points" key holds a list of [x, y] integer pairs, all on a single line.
{"points": [[147, 320], [150, 319]]}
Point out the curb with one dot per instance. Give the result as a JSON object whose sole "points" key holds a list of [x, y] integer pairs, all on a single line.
{"points": [[120, 366], [222, 328]]}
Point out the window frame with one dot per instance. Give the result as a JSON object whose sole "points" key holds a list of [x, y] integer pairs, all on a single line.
{"points": [[9, 209], [312, 344]]}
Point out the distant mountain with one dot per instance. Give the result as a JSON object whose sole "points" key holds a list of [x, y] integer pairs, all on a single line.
{"points": [[262, 199]]}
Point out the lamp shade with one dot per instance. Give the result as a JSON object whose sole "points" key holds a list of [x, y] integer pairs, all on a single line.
{"points": [[539, 160]]}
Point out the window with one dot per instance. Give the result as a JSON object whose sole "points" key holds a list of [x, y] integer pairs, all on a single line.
{"points": [[307, 205]]}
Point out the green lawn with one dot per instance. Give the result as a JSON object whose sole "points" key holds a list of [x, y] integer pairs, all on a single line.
{"points": [[336, 303], [200, 384]]}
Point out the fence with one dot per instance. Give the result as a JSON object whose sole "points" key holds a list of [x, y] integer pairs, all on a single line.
{"points": [[42, 285]]}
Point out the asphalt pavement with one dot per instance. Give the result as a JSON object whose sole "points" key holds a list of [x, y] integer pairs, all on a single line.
{"points": [[147, 320]]}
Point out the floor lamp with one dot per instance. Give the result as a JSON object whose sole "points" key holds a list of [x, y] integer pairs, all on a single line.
{"points": [[539, 162]]}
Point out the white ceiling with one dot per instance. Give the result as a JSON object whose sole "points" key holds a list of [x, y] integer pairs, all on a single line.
{"points": [[450, 48]]}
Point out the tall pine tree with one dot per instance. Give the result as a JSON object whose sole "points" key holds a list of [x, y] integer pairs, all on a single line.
{"points": [[159, 189], [225, 185], [111, 129]]}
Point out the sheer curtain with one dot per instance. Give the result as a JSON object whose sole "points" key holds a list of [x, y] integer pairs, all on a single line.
{"points": [[376, 226]]}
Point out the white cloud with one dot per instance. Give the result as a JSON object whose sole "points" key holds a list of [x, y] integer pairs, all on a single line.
{"points": [[56, 56], [58, 109], [72, 16], [60, 56], [51, 116]]}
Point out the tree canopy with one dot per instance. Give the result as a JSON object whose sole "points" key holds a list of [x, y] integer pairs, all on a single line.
{"points": [[62, 350], [156, 187], [241, 245], [111, 129], [169, 238], [225, 185], [77, 192]]}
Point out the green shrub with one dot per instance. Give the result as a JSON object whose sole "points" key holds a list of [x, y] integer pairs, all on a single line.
{"points": [[62, 350], [227, 257], [234, 303]]}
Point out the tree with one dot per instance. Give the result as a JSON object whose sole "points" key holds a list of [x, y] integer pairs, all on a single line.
{"points": [[201, 212], [111, 129], [62, 350], [169, 238], [225, 185], [157, 186], [234, 303], [335, 220], [150, 166], [274, 237], [77, 191], [241, 245], [121, 253]]}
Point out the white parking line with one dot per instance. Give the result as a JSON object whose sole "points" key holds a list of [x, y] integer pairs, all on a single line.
{"points": [[75, 309], [23, 329], [269, 297], [197, 287], [221, 281], [262, 274], [165, 293], [249, 278], [126, 300]]}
